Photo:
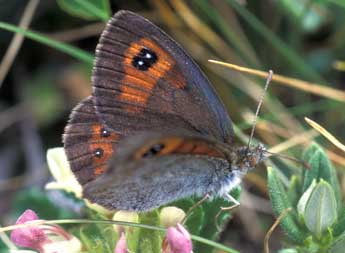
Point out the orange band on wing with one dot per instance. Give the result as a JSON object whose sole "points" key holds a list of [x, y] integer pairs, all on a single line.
{"points": [[198, 148], [99, 142], [177, 145], [169, 146], [149, 78]]}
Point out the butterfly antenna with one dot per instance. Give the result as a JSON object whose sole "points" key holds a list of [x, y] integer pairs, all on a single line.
{"points": [[304, 163], [268, 80]]}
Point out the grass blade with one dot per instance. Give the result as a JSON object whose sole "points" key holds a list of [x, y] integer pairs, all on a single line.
{"points": [[280, 46], [68, 49]]}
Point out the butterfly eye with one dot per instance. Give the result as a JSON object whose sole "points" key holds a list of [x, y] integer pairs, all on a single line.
{"points": [[155, 149], [105, 132], [144, 59], [98, 152]]}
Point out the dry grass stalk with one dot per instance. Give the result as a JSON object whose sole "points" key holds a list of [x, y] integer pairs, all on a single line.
{"points": [[313, 88], [325, 133]]}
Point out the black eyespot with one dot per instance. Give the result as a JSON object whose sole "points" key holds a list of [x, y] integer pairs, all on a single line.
{"points": [[105, 132], [145, 59], [98, 152], [155, 149]]}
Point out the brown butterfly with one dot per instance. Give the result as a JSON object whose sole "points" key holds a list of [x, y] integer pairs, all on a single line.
{"points": [[154, 129]]}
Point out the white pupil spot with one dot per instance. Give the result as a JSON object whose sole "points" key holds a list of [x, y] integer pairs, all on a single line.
{"points": [[148, 56], [140, 63]]}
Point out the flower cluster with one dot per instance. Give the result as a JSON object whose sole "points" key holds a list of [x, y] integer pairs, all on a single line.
{"points": [[54, 239], [43, 238]]}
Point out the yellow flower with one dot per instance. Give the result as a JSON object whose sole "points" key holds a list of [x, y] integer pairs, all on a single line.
{"points": [[124, 216], [61, 171], [170, 216], [65, 179]]}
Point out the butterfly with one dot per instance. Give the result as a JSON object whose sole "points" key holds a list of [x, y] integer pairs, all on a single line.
{"points": [[154, 130]]}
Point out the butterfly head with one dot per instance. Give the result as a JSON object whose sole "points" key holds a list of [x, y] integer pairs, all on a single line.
{"points": [[248, 158]]}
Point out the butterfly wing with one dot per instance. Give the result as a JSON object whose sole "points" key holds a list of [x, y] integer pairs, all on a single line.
{"points": [[88, 143], [149, 171], [143, 80]]}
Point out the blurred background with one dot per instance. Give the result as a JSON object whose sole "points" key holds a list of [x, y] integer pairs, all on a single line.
{"points": [[303, 39]]}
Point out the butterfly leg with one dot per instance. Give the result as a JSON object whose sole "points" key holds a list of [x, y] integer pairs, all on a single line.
{"points": [[228, 208], [190, 210]]}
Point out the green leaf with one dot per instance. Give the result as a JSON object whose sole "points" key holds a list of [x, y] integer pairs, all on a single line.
{"points": [[63, 47], [293, 190], [132, 238], [98, 238], [87, 9], [338, 245], [194, 222], [321, 209], [310, 246], [309, 152], [150, 241], [302, 203], [280, 202], [339, 227], [321, 168], [202, 221]]}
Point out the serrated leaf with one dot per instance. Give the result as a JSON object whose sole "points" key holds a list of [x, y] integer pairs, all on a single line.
{"points": [[338, 245], [321, 169], [280, 202], [321, 209], [87, 9]]}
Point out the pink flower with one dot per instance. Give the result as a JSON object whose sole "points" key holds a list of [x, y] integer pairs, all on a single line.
{"points": [[121, 245], [30, 237], [178, 240], [43, 238]]}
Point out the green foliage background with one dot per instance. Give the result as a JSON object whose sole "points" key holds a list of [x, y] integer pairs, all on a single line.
{"points": [[300, 39]]}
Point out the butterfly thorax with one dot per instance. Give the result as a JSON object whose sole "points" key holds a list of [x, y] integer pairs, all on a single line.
{"points": [[241, 160], [246, 158]]}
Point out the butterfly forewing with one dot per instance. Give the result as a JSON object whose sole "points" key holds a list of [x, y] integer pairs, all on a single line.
{"points": [[143, 80]]}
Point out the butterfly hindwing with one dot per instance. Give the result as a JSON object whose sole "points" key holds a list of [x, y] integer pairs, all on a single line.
{"points": [[88, 144], [143, 80], [150, 170]]}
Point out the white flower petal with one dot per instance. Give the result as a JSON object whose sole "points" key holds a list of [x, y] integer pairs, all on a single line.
{"points": [[67, 246], [61, 171]]}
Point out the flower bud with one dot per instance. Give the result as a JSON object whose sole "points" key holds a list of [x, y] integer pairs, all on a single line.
{"points": [[178, 240], [171, 215]]}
